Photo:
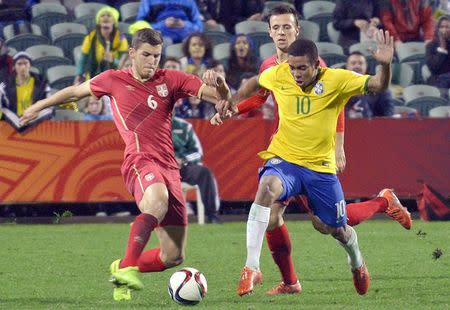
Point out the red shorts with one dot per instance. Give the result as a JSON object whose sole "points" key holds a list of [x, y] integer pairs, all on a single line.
{"points": [[139, 172]]}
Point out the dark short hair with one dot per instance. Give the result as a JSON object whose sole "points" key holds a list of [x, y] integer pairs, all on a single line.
{"points": [[356, 53], [146, 35], [213, 63], [304, 47], [283, 9], [171, 58]]}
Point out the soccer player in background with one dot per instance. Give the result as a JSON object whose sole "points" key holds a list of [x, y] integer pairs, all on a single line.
{"points": [[142, 99], [284, 29], [299, 159]]}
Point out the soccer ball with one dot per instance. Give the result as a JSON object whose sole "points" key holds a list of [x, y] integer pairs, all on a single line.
{"points": [[187, 286]]}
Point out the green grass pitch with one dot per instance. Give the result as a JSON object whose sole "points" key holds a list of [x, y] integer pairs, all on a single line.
{"points": [[66, 267]]}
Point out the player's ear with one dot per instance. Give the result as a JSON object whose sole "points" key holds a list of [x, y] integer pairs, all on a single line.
{"points": [[132, 52]]}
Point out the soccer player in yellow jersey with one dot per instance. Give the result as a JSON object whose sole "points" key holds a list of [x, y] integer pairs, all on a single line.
{"points": [[300, 158]]}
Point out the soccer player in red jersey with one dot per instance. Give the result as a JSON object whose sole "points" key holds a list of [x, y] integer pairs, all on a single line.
{"points": [[284, 29], [142, 101]]}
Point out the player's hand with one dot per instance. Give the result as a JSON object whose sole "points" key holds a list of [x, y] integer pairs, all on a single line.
{"points": [[384, 52], [216, 120], [212, 78], [340, 160], [29, 115], [223, 107]]}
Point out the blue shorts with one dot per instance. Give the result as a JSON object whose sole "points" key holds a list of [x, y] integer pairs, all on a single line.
{"points": [[323, 190]]}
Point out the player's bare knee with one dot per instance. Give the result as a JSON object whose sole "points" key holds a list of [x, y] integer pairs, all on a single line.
{"points": [[269, 190], [320, 226]]}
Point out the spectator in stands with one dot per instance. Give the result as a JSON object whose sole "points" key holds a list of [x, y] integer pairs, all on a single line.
{"points": [[189, 153], [242, 59], [437, 54], [371, 105], [97, 109], [197, 49], [407, 20], [23, 88], [357, 21], [6, 62], [172, 63], [103, 47], [175, 19], [231, 12]]}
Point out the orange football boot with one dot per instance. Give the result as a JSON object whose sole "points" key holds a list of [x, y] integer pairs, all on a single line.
{"points": [[395, 209], [249, 277], [284, 288], [361, 279]]}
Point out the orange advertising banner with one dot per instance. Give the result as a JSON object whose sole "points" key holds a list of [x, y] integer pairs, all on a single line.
{"points": [[74, 161]]}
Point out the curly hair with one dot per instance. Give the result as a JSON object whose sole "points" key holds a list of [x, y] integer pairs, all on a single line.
{"points": [[206, 42]]}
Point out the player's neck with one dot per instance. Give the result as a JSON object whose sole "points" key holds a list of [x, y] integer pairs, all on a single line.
{"points": [[281, 56]]}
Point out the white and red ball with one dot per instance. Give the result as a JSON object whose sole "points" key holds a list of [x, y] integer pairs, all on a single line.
{"points": [[187, 286]]}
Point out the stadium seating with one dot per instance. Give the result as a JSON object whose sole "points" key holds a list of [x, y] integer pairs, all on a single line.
{"points": [[67, 36], [413, 53], [250, 26], [61, 76], [129, 11], [423, 98], [333, 34], [309, 30], [22, 41], [76, 54], [217, 37], [426, 73], [47, 14], [267, 50], [259, 38], [221, 51], [174, 50], [8, 31], [441, 111], [331, 53], [320, 12], [85, 13], [46, 56]]}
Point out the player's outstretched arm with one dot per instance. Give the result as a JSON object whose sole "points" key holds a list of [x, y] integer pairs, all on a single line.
{"points": [[70, 93], [384, 54]]}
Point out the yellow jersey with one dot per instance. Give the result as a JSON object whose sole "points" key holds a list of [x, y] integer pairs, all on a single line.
{"points": [[307, 118]]}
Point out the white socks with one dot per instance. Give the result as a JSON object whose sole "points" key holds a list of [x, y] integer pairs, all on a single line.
{"points": [[355, 259], [258, 220]]}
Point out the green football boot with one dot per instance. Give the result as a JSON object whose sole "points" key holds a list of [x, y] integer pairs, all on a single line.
{"points": [[128, 276], [121, 291]]}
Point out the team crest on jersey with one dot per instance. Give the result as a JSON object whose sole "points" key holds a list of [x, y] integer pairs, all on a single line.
{"points": [[318, 88], [275, 161], [162, 90]]}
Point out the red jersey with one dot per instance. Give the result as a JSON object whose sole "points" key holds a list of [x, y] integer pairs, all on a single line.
{"points": [[262, 95], [142, 111]]}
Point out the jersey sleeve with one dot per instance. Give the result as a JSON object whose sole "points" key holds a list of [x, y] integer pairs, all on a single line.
{"points": [[352, 83], [186, 85], [253, 102], [101, 83], [340, 126], [267, 78]]}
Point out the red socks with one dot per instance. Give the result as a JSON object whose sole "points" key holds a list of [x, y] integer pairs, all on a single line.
{"points": [[280, 247], [361, 211], [140, 232], [149, 261]]}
